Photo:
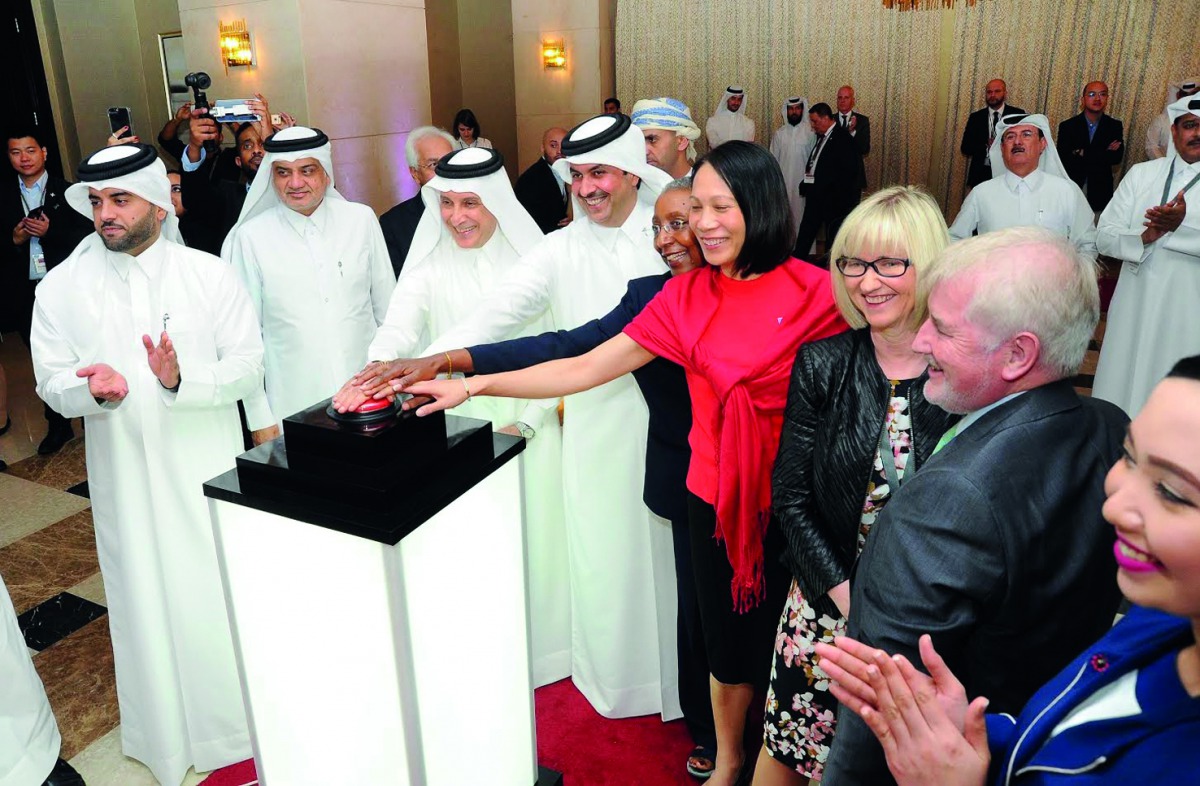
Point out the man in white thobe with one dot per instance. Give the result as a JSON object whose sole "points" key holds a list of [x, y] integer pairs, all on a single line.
{"points": [[161, 419], [473, 232], [729, 119], [1029, 187], [29, 738], [670, 134], [1158, 135], [1153, 320], [622, 570], [318, 273], [791, 145]]}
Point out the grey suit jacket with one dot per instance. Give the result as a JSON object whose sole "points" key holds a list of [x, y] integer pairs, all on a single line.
{"points": [[996, 548]]}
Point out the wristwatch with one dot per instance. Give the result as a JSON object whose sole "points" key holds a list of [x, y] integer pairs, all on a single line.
{"points": [[526, 430]]}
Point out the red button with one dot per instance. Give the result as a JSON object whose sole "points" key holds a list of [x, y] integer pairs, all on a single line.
{"points": [[373, 405]]}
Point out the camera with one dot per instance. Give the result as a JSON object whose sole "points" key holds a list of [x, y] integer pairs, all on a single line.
{"points": [[199, 82]]}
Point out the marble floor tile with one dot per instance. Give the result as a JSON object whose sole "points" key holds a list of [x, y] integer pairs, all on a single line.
{"points": [[28, 507], [24, 407], [64, 469], [103, 764], [49, 561], [91, 588], [81, 685], [53, 620]]}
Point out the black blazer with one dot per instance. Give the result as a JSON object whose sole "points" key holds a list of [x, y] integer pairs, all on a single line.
{"points": [[399, 225], [67, 228], [836, 404], [975, 143], [997, 548], [213, 207], [662, 384], [862, 132], [834, 192], [537, 191], [1091, 163]]}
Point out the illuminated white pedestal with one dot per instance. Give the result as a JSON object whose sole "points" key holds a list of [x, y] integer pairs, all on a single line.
{"points": [[368, 663]]}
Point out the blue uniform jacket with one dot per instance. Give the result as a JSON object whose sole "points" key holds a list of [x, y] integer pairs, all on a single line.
{"points": [[1161, 745], [662, 384]]}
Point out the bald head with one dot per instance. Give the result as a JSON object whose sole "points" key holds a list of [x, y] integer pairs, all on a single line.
{"points": [[552, 144], [845, 99], [1095, 99], [995, 93]]}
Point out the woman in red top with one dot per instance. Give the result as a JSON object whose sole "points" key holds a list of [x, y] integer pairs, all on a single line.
{"points": [[735, 327]]}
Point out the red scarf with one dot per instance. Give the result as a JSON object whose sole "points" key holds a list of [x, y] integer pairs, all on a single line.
{"points": [[748, 397]]}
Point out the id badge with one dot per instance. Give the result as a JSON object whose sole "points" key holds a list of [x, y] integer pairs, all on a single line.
{"points": [[37, 267]]}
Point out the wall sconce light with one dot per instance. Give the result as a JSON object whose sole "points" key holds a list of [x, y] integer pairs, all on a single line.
{"points": [[554, 54], [236, 49]]}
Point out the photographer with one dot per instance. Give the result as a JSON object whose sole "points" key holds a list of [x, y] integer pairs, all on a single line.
{"points": [[168, 137]]}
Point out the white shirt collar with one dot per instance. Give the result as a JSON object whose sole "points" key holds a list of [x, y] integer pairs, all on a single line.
{"points": [[1033, 180], [38, 185], [149, 261], [301, 222], [636, 228], [971, 417]]}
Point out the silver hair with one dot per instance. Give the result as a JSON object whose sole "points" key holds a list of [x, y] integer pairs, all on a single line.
{"points": [[684, 182], [416, 135], [1053, 294]]}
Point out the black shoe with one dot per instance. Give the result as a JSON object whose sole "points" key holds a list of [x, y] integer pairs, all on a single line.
{"points": [[55, 439], [3, 465], [7, 426], [64, 774]]}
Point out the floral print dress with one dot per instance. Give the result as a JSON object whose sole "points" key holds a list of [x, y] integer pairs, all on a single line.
{"points": [[800, 711]]}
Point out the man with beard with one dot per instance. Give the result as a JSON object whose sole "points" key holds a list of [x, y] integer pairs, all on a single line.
{"points": [[424, 146], [218, 197], [790, 145], [996, 545], [1029, 188], [1158, 135], [540, 191], [729, 119], [1090, 144], [318, 273], [981, 131], [1153, 320], [622, 584], [670, 134], [161, 419]]}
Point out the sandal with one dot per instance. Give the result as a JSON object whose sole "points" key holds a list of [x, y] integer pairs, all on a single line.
{"points": [[701, 762]]}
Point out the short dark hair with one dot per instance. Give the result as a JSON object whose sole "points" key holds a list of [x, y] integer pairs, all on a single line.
{"points": [[20, 132], [613, 100], [465, 117], [754, 177], [821, 109], [1187, 368], [174, 170], [237, 134]]}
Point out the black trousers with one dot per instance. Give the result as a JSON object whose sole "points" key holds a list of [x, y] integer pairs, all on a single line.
{"points": [[695, 697]]}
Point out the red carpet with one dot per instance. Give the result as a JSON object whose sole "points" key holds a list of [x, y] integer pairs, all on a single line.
{"points": [[589, 750]]}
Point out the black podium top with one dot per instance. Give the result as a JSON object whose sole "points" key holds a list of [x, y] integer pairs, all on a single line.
{"points": [[382, 502]]}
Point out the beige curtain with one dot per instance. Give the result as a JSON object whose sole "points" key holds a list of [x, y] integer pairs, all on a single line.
{"points": [[917, 74]]}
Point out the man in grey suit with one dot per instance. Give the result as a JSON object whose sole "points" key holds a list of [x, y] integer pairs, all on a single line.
{"points": [[996, 546]]}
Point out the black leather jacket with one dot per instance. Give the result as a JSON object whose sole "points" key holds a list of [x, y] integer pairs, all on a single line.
{"points": [[837, 400]]}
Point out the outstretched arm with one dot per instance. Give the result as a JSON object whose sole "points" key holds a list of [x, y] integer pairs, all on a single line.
{"points": [[619, 355]]}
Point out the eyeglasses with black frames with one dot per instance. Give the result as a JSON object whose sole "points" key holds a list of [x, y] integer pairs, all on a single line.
{"points": [[886, 267]]}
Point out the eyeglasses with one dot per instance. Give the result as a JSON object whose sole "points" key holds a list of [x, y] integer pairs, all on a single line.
{"points": [[887, 267], [678, 225], [1094, 93], [429, 165]]}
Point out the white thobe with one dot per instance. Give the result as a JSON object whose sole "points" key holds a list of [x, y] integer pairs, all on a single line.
{"points": [[1153, 320], [320, 285], [147, 456], [430, 299], [621, 560], [1038, 200], [1158, 137], [29, 739], [725, 126], [791, 146]]}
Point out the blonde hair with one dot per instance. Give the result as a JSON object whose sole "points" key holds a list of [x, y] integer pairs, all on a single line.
{"points": [[903, 219], [1053, 294]]}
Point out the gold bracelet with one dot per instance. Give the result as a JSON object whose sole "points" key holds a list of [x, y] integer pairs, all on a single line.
{"points": [[450, 360], [466, 388]]}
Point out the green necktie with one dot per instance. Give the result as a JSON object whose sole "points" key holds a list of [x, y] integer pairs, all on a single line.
{"points": [[950, 434]]}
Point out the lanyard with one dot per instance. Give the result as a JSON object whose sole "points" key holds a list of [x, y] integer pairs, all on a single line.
{"points": [[1167, 185], [25, 204]]}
